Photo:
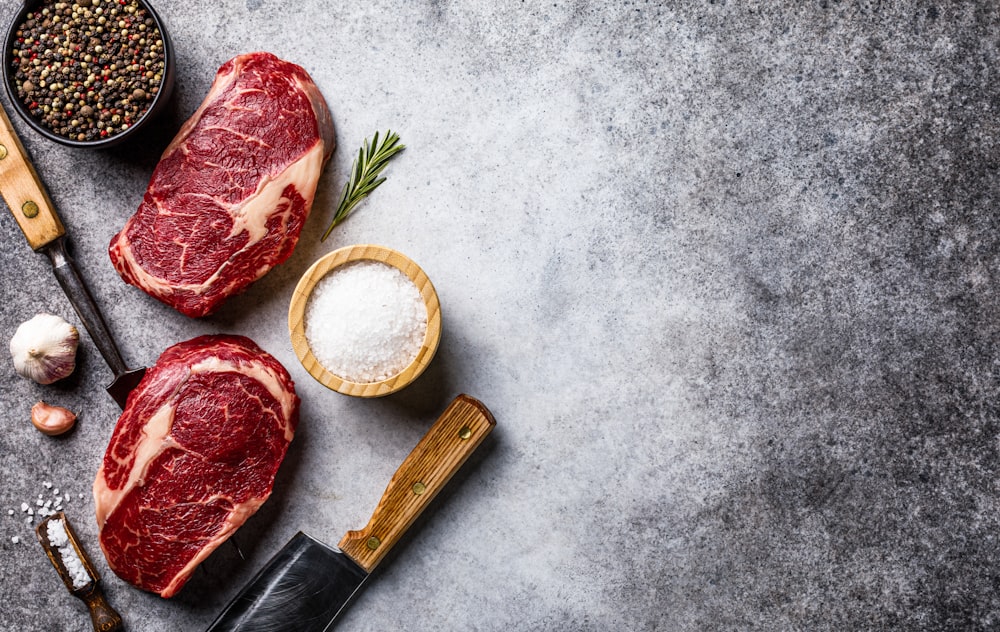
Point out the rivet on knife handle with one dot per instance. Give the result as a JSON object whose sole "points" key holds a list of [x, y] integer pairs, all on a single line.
{"points": [[23, 192], [442, 451]]}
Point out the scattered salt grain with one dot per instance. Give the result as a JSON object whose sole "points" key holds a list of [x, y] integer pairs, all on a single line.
{"points": [[365, 321], [46, 507], [59, 539]]}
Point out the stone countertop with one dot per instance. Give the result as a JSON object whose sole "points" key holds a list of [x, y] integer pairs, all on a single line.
{"points": [[725, 272]]}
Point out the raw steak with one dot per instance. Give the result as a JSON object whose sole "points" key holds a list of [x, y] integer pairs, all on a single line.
{"points": [[193, 456], [229, 197]]}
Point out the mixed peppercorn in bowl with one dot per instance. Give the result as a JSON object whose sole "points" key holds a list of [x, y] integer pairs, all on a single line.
{"points": [[88, 73]]}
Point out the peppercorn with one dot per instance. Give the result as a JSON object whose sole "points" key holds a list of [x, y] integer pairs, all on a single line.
{"points": [[74, 75]]}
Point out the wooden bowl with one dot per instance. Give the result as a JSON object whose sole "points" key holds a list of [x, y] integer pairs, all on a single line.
{"points": [[297, 317]]}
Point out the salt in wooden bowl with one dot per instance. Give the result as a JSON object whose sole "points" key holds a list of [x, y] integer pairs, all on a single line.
{"points": [[300, 300]]}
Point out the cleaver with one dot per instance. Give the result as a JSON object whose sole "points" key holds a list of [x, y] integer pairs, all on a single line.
{"points": [[35, 214], [307, 583]]}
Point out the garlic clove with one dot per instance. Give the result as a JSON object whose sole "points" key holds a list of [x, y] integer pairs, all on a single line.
{"points": [[44, 348], [52, 420]]}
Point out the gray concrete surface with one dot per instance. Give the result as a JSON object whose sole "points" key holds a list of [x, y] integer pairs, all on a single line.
{"points": [[725, 272]]}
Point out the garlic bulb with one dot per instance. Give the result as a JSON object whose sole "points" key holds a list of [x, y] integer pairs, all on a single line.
{"points": [[44, 348], [52, 420]]}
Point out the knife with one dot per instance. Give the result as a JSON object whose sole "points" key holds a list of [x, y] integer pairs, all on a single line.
{"points": [[34, 212], [306, 585]]}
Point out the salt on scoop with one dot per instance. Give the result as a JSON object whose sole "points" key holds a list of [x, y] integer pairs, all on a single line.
{"points": [[365, 321], [59, 539]]}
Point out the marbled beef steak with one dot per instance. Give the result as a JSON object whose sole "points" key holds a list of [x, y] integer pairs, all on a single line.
{"points": [[193, 456], [230, 195]]}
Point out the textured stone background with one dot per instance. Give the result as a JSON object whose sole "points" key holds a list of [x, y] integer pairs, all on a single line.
{"points": [[725, 273]]}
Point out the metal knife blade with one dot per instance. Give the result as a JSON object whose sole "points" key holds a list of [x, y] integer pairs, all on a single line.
{"points": [[303, 587], [35, 214], [307, 584]]}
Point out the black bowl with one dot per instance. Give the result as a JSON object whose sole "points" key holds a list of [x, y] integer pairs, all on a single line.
{"points": [[159, 103]]}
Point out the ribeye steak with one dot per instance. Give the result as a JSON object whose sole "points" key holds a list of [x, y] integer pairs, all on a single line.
{"points": [[230, 194], [193, 456]]}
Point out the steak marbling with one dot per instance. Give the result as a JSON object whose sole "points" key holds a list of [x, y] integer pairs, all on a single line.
{"points": [[193, 456], [230, 194]]}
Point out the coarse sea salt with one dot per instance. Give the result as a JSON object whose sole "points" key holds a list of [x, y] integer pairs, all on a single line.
{"points": [[365, 321], [59, 539], [46, 507]]}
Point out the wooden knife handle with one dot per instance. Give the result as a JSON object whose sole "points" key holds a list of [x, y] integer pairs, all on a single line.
{"points": [[23, 191], [446, 446]]}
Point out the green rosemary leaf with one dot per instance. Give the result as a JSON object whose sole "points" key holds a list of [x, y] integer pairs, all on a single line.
{"points": [[369, 188], [358, 167], [372, 159]]}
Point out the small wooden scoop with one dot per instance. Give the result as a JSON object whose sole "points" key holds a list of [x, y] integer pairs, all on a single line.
{"points": [[103, 616]]}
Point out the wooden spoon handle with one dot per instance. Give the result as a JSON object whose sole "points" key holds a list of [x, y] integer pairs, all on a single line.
{"points": [[23, 191], [442, 451]]}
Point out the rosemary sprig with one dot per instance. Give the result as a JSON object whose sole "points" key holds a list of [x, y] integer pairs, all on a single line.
{"points": [[371, 160]]}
